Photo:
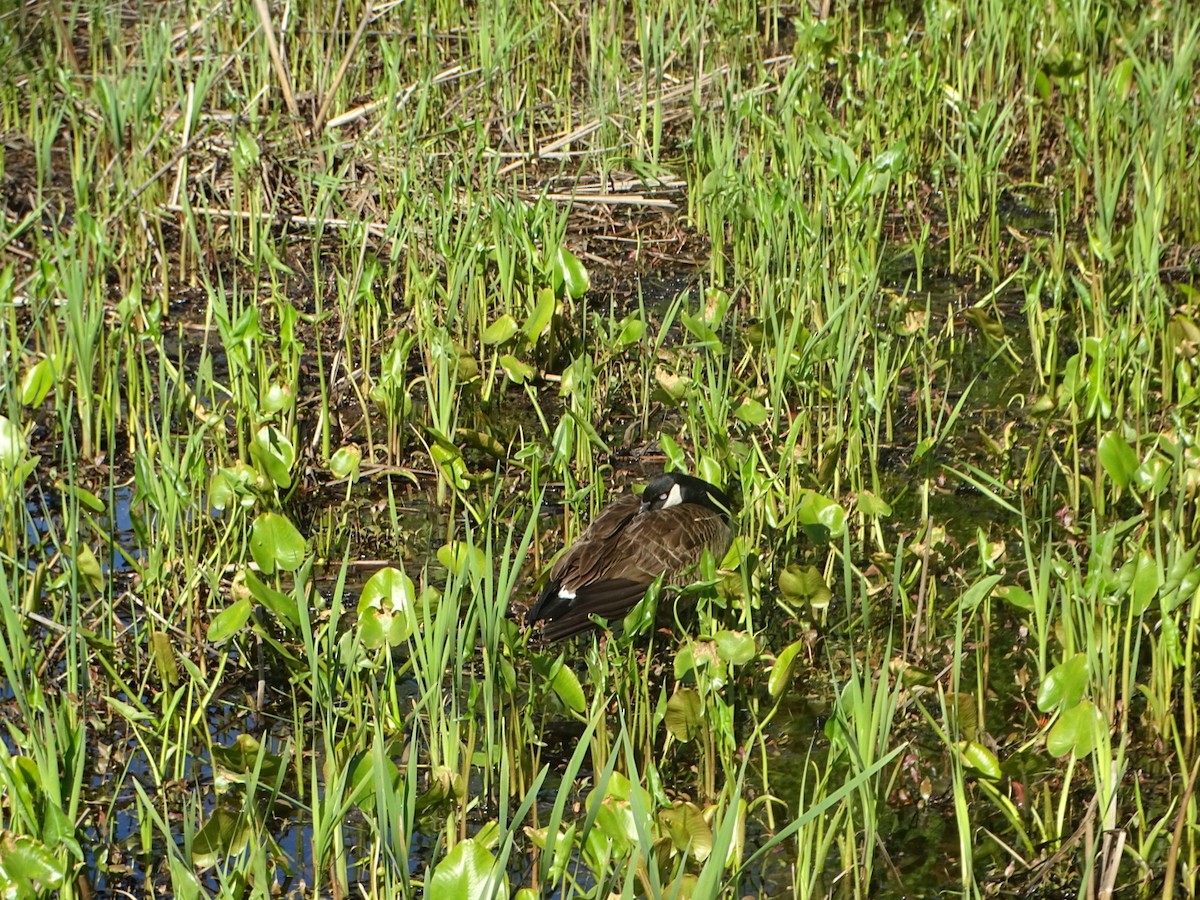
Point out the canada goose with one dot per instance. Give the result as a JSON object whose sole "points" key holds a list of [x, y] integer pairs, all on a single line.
{"points": [[635, 539]]}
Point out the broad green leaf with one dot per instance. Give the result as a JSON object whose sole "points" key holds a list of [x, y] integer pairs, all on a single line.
{"points": [[1065, 684], [501, 330], [1076, 731], [543, 314], [569, 273], [1118, 458], [820, 517], [979, 760], [752, 412], [805, 584], [229, 621], [735, 647], [688, 830], [518, 372], [978, 592], [275, 543], [468, 870], [37, 383], [387, 608], [684, 717], [12, 445], [1016, 596], [274, 454], [781, 673], [346, 461]]}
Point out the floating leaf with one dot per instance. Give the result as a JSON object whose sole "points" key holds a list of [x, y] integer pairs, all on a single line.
{"points": [[1065, 683], [752, 412], [229, 621], [37, 383], [1076, 731], [274, 454], [28, 868], [569, 274], [1016, 596], [688, 830], [872, 505], [735, 647], [820, 517], [805, 584], [468, 870], [517, 371], [275, 543], [543, 314], [12, 445], [979, 760], [684, 715], [978, 592], [386, 608], [346, 461], [500, 331], [632, 331], [781, 673], [1118, 458]]}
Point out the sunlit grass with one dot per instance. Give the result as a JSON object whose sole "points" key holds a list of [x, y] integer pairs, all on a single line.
{"points": [[380, 290]]}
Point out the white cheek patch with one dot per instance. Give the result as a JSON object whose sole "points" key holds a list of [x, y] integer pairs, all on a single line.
{"points": [[564, 594], [674, 498]]}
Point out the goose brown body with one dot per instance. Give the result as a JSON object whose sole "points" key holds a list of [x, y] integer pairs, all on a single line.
{"points": [[630, 543]]}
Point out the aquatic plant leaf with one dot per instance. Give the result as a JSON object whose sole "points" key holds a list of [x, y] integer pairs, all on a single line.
{"points": [[463, 559], [163, 651], [279, 603], [685, 825], [567, 687], [346, 461], [752, 412], [1076, 731], [452, 465], [780, 677], [873, 505], [978, 592], [684, 717], [1144, 579], [274, 454], [277, 398], [275, 543], [632, 331], [700, 330], [543, 314], [229, 621], [226, 833], [979, 760], [28, 868], [85, 497], [805, 584], [820, 517], [235, 483], [568, 275], [387, 609], [37, 383], [1065, 683], [518, 372], [469, 870], [88, 567], [1118, 458], [1016, 596], [12, 444], [735, 647], [500, 331]]}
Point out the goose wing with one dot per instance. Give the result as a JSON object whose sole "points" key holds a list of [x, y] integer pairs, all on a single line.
{"points": [[606, 574]]}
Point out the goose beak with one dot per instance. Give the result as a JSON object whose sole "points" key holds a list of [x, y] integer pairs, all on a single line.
{"points": [[645, 506]]}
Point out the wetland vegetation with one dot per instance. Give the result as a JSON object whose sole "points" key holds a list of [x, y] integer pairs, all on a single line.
{"points": [[327, 325]]}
